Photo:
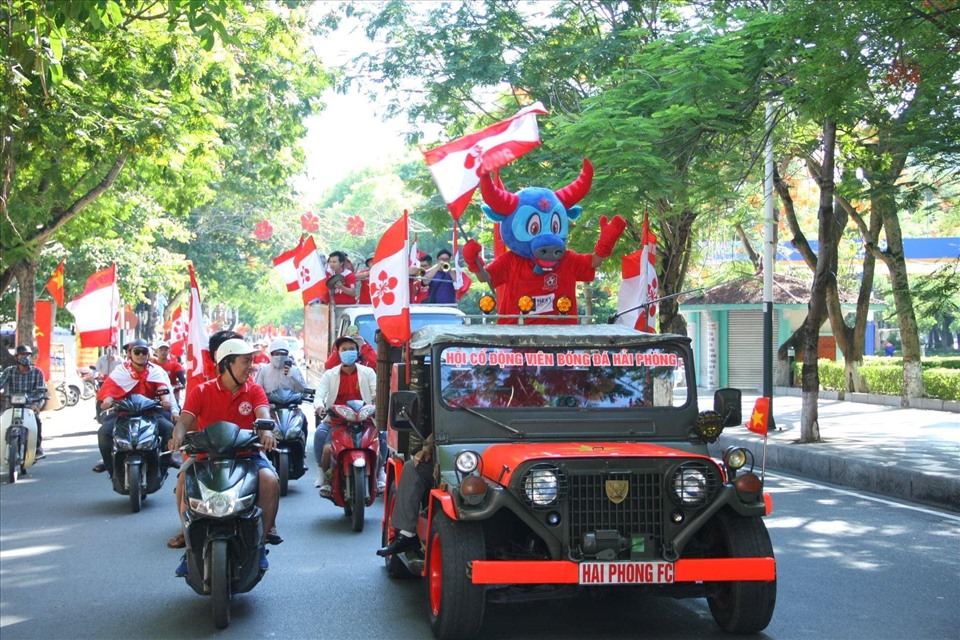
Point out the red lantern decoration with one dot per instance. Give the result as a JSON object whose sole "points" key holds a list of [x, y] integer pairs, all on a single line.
{"points": [[263, 231], [355, 225], [310, 222]]}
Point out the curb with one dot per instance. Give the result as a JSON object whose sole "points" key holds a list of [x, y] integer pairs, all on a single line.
{"points": [[805, 460], [931, 404]]}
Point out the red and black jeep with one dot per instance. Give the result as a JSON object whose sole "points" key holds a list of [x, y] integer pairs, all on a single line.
{"points": [[572, 457]]}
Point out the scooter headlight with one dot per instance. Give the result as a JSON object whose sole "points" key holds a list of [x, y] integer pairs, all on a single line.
{"points": [[122, 444], [220, 504]]}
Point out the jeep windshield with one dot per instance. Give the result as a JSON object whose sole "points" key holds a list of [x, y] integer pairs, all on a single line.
{"points": [[526, 378]]}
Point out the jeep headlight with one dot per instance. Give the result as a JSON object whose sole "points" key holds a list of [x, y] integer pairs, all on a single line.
{"points": [[542, 486], [467, 462], [220, 504], [693, 484]]}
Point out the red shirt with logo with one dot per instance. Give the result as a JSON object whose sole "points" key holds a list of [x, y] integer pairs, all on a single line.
{"points": [[349, 281], [211, 402], [515, 274]]}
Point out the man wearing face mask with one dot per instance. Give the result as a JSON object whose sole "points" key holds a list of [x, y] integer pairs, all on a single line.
{"points": [[24, 378], [281, 372], [346, 381]]}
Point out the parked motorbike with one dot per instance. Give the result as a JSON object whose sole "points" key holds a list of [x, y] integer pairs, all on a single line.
{"points": [[139, 464], [19, 424], [289, 456], [223, 525], [355, 447]]}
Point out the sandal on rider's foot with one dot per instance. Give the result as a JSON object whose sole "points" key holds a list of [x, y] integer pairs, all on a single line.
{"points": [[326, 491], [177, 541], [100, 468], [273, 537]]}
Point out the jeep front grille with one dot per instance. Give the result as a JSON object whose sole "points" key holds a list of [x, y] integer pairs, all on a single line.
{"points": [[597, 502]]}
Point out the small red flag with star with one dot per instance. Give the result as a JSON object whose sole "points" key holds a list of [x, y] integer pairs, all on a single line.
{"points": [[760, 418]]}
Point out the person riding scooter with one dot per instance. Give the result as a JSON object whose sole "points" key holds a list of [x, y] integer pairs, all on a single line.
{"points": [[137, 375], [26, 379], [233, 397], [281, 372]]}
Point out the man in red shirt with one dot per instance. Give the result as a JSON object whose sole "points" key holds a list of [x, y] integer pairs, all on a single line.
{"points": [[346, 291], [136, 375], [175, 370], [235, 398]]}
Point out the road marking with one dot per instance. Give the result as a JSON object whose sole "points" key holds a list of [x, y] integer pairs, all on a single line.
{"points": [[870, 497]]}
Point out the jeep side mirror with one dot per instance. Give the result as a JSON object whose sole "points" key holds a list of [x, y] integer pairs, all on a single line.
{"points": [[405, 411], [726, 402]]}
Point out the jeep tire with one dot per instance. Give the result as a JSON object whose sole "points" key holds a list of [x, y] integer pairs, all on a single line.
{"points": [[455, 604], [741, 607]]}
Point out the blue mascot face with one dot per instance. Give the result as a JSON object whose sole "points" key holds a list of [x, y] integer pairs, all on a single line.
{"points": [[535, 221]]}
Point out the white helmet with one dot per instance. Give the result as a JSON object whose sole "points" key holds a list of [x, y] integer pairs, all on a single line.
{"points": [[233, 347], [279, 345]]}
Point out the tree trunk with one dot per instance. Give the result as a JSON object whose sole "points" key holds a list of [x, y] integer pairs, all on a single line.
{"points": [[824, 278], [673, 254], [26, 275]]}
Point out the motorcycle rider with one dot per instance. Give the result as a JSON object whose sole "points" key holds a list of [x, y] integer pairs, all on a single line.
{"points": [[106, 363], [346, 381], [24, 378], [281, 372], [235, 398], [137, 375]]}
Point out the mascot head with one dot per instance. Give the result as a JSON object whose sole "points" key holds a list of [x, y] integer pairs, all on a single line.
{"points": [[534, 221]]}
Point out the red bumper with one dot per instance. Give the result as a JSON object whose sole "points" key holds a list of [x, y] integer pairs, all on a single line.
{"points": [[567, 572]]}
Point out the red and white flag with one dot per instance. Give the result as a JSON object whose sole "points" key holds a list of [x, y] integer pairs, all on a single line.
{"points": [[311, 272], [640, 284], [456, 166], [389, 288], [96, 311], [415, 253], [198, 344], [461, 281], [283, 263], [178, 333]]}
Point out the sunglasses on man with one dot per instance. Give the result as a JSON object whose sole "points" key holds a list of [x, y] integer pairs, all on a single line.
{"points": [[140, 352]]}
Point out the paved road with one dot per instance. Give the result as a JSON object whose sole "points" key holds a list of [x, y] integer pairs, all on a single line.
{"points": [[75, 563]]}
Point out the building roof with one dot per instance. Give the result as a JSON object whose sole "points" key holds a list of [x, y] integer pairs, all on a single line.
{"points": [[787, 290]]}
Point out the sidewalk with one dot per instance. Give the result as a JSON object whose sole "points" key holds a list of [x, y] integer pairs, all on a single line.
{"points": [[905, 453]]}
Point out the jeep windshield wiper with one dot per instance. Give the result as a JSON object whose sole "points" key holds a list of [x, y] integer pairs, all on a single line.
{"points": [[503, 426]]}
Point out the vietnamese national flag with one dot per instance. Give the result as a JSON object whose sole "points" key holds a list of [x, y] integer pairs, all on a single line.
{"points": [[198, 344], [639, 285], [311, 272], [760, 418], [456, 165], [55, 285], [96, 311], [283, 263], [178, 333], [389, 289]]}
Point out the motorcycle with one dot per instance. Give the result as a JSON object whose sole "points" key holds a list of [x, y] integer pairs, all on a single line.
{"points": [[355, 448], [19, 425], [139, 465], [90, 382], [290, 454], [223, 525]]}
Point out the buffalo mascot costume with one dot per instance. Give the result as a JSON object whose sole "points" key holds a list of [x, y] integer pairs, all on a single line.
{"points": [[539, 268]]}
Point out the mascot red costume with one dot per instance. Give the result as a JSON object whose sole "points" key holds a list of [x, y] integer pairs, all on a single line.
{"points": [[534, 223]]}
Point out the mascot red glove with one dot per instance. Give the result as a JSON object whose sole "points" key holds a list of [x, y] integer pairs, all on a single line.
{"points": [[471, 255], [609, 234]]}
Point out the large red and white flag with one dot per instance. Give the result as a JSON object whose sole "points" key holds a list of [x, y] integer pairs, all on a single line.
{"points": [[198, 344], [283, 263], [456, 166], [311, 272], [96, 311], [640, 285], [178, 333], [389, 283]]}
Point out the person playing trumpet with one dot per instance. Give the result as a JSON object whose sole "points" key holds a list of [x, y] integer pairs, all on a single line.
{"points": [[439, 281]]}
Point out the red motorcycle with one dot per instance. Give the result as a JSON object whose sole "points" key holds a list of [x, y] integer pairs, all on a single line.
{"points": [[355, 449]]}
